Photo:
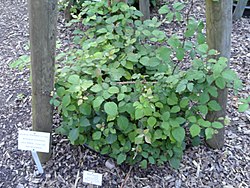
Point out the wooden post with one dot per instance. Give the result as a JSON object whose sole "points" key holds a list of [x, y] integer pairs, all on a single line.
{"points": [[42, 23], [144, 8], [219, 28], [239, 10]]}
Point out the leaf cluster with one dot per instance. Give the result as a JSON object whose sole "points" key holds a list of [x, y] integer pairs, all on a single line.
{"points": [[119, 90]]}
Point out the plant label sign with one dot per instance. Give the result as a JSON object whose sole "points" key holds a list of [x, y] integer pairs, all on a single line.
{"points": [[92, 178], [34, 141]]}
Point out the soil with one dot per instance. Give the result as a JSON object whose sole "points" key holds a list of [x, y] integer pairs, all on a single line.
{"points": [[201, 166]]}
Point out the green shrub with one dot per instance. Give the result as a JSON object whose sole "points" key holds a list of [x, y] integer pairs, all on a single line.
{"points": [[123, 89]]}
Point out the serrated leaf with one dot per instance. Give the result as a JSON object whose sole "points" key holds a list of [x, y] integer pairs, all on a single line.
{"points": [[195, 130], [178, 134]]}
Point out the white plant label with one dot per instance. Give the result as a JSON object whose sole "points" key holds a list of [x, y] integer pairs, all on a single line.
{"points": [[92, 178], [33, 141]]}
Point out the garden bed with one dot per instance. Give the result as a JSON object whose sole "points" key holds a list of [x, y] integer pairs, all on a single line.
{"points": [[200, 167]]}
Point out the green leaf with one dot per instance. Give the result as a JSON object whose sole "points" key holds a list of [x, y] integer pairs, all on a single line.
{"points": [[202, 48], [164, 10], [217, 125], [138, 114], [98, 101], [220, 82], [178, 134], [175, 109], [133, 57], [158, 134], [144, 61], [66, 100], [86, 84], [73, 134], [153, 62], [180, 53], [203, 109], [190, 86], [243, 107], [164, 53], [111, 138], [195, 130], [60, 91], [122, 122], [97, 135], [165, 116], [85, 109], [178, 6], [209, 132], [96, 88], [111, 108], [172, 99], [121, 158], [214, 105], [84, 122], [204, 98], [212, 90], [74, 79], [175, 162], [184, 102], [192, 119], [113, 90], [144, 164], [151, 121]]}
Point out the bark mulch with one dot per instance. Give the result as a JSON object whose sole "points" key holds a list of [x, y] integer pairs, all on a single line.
{"points": [[201, 166]]}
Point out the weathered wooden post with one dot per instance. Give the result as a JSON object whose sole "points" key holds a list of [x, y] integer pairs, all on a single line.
{"points": [[42, 23], [144, 8], [239, 10], [219, 28]]}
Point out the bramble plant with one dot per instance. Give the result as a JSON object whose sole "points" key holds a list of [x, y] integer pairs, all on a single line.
{"points": [[121, 92], [128, 90]]}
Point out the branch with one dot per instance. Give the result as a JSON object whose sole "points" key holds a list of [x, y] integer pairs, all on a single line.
{"points": [[184, 38]]}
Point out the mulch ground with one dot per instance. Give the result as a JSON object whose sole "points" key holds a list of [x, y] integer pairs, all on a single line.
{"points": [[201, 166]]}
